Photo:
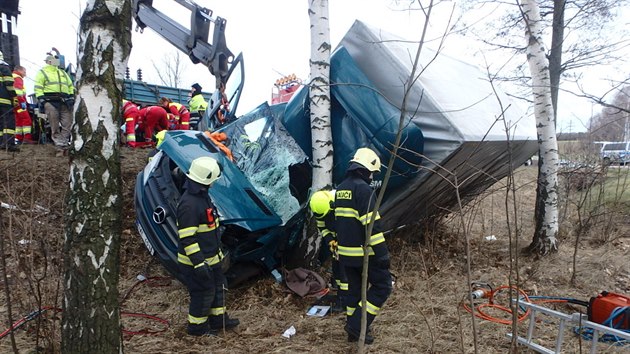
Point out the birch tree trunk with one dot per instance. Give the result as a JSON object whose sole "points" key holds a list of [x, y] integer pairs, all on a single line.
{"points": [[319, 98], [91, 319], [546, 212]]}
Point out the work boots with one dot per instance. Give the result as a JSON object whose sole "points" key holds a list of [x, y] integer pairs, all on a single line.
{"points": [[200, 329], [353, 335], [222, 322]]}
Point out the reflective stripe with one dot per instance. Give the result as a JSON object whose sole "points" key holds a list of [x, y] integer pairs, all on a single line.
{"points": [[365, 219], [341, 285], [346, 213], [189, 231], [217, 311], [5, 101], [129, 119], [321, 223], [194, 248], [350, 310], [184, 259], [371, 308], [206, 227], [197, 320], [131, 137], [214, 260], [327, 232], [376, 239], [353, 251]]}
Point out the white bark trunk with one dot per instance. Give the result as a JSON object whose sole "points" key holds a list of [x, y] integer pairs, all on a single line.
{"points": [[320, 95], [319, 98], [91, 321], [545, 237]]}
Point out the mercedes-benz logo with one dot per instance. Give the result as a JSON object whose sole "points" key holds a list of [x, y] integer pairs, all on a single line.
{"points": [[159, 215]]}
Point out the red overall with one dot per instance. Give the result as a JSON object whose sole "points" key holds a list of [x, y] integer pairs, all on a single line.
{"points": [[130, 115], [181, 117], [150, 120], [23, 121]]}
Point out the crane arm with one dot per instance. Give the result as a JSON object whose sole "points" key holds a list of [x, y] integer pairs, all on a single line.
{"points": [[194, 42]]}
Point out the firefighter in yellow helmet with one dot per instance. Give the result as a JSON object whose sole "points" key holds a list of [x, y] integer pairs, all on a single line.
{"points": [[354, 209], [199, 251], [322, 204]]}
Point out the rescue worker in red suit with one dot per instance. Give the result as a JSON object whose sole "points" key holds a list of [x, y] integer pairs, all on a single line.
{"points": [[179, 116], [150, 120], [130, 114], [23, 121], [199, 251], [354, 204]]}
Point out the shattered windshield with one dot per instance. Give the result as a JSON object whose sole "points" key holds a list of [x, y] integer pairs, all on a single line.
{"points": [[267, 154]]}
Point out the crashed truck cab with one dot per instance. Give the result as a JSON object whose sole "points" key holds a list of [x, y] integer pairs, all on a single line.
{"points": [[251, 231], [449, 127]]}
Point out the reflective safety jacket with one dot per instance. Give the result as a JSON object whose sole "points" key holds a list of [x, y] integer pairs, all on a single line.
{"points": [[197, 222], [7, 91], [198, 104], [53, 83], [181, 114], [354, 201]]}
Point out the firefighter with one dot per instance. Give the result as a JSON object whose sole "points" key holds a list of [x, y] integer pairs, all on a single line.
{"points": [[23, 121], [354, 204], [7, 101], [150, 120], [322, 204], [197, 104], [130, 114], [55, 95], [199, 251], [178, 113]]}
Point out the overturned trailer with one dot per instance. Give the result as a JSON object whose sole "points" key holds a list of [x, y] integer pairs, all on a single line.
{"points": [[453, 122]]}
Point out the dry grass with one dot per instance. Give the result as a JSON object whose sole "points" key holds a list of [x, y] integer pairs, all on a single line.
{"points": [[423, 315]]}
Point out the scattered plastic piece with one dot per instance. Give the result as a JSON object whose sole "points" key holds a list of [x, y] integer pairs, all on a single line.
{"points": [[290, 332], [318, 311]]}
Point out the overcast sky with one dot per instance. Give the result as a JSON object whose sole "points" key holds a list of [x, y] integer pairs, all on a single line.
{"points": [[273, 36]]}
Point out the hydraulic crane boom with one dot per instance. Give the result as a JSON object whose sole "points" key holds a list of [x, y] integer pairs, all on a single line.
{"points": [[194, 42]]}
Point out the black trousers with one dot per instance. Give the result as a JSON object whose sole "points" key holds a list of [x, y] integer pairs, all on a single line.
{"points": [[206, 297], [7, 126], [379, 289]]}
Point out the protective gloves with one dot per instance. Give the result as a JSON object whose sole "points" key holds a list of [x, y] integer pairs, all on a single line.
{"points": [[332, 245]]}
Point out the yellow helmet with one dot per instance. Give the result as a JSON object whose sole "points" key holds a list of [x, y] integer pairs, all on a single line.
{"points": [[160, 137], [368, 159], [322, 202], [204, 170]]}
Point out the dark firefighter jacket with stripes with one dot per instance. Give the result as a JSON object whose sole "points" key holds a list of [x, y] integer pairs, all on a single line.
{"points": [[326, 227], [354, 201], [197, 228], [7, 91]]}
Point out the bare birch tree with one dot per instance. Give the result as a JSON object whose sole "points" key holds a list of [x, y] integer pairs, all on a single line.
{"points": [[91, 318], [546, 211], [319, 98]]}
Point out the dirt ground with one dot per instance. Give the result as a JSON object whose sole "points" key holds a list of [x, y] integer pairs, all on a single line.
{"points": [[423, 315]]}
